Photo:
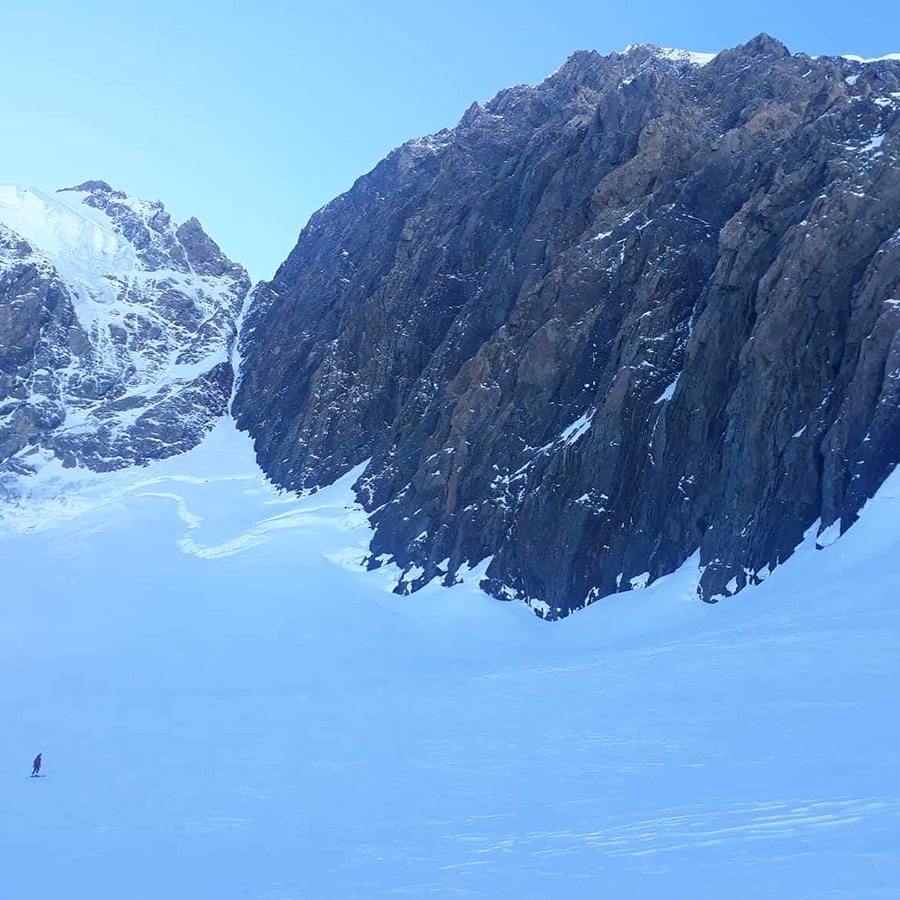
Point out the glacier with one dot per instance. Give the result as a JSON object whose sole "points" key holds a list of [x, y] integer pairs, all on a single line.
{"points": [[230, 707]]}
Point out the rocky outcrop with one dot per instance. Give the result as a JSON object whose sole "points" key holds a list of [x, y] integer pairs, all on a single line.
{"points": [[644, 309], [116, 331]]}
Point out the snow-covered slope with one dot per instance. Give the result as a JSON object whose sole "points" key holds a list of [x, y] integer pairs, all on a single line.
{"points": [[82, 240], [673, 54], [228, 709], [887, 57], [116, 330]]}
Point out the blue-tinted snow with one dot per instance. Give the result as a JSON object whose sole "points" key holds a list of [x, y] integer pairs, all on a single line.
{"points": [[225, 712]]}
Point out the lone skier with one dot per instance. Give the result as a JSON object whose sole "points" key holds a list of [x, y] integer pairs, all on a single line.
{"points": [[37, 766]]}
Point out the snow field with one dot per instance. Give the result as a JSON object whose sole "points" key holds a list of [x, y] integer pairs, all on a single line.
{"points": [[225, 712]]}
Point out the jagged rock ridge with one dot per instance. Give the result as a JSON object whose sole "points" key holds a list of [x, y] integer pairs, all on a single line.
{"points": [[644, 309], [116, 330]]}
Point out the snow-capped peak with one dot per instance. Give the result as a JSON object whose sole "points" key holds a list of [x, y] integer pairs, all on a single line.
{"points": [[887, 57], [63, 226], [119, 343], [673, 54]]}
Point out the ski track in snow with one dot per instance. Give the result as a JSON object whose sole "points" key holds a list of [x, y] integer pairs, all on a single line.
{"points": [[229, 708]]}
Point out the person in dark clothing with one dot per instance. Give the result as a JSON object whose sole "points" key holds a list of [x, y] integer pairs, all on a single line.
{"points": [[37, 766]]}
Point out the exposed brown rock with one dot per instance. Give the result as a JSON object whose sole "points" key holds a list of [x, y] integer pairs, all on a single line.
{"points": [[698, 266]]}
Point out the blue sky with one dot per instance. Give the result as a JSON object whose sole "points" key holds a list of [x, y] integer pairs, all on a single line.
{"points": [[251, 116]]}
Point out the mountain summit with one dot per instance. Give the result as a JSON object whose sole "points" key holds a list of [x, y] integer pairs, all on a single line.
{"points": [[116, 330], [646, 309]]}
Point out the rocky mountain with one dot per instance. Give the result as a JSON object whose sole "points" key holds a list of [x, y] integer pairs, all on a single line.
{"points": [[116, 331], [646, 309]]}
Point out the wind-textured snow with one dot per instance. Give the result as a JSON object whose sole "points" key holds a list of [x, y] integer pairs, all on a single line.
{"points": [[224, 712]]}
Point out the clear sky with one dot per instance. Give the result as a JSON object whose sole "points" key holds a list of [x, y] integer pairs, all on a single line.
{"points": [[252, 115]]}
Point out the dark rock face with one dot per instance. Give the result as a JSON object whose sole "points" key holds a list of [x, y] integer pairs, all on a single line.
{"points": [[116, 331], [643, 309]]}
